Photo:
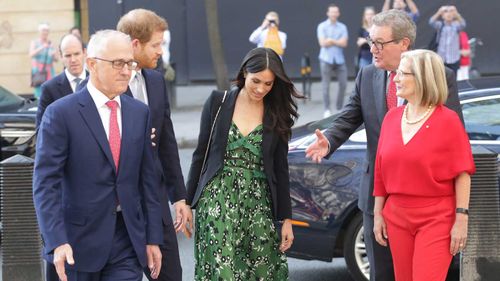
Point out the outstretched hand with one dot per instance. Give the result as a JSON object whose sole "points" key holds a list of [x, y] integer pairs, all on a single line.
{"points": [[319, 149]]}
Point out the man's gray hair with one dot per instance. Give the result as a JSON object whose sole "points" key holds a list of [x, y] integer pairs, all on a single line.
{"points": [[100, 39], [400, 22]]}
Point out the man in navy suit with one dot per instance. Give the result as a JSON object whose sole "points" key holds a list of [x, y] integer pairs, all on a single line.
{"points": [[146, 30], [95, 188], [73, 57]]}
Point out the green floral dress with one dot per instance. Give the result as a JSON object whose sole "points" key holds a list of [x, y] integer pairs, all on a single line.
{"points": [[235, 235]]}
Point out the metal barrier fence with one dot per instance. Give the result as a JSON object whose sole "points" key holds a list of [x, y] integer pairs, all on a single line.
{"points": [[20, 242], [481, 259]]}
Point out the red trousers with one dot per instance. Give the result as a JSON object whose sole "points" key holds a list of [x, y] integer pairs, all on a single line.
{"points": [[418, 230]]}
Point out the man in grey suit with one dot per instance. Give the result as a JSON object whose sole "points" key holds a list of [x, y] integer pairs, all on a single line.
{"points": [[392, 33]]}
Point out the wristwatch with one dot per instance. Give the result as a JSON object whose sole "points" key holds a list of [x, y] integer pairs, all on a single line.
{"points": [[462, 211]]}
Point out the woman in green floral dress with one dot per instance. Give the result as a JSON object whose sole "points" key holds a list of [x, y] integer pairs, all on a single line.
{"points": [[238, 180]]}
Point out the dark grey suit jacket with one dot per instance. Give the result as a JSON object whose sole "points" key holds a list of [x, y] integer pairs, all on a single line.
{"points": [[367, 105]]}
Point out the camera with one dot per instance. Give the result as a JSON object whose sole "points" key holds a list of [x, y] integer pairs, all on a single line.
{"points": [[272, 22]]}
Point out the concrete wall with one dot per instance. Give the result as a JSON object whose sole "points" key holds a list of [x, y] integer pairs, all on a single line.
{"points": [[19, 21]]}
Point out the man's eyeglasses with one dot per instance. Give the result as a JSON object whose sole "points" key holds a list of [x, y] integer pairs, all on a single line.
{"points": [[402, 74], [120, 64], [379, 45]]}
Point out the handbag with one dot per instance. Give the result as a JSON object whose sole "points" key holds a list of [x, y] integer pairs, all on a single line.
{"points": [[210, 136], [39, 77]]}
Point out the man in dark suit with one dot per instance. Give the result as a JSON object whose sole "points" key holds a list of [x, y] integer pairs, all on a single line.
{"points": [[147, 85], [392, 33], [95, 189], [73, 57]]}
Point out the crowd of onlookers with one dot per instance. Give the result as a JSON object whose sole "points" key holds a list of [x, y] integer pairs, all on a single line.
{"points": [[450, 42]]}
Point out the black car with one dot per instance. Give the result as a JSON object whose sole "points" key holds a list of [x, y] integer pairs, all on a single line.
{"points": [[328, 223], [17, 124]]}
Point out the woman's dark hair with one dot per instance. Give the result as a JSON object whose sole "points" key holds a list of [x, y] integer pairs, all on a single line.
{"points": [[279, 102]]}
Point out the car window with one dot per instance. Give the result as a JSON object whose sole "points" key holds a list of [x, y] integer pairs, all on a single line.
{"points": [[482, 118], [8, 99]]}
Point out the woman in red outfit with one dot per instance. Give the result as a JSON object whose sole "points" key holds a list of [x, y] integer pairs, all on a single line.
{"points": [[422, 174]]}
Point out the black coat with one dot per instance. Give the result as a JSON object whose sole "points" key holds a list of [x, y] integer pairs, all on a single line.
{"points": [[168, 163], [274, 151]]}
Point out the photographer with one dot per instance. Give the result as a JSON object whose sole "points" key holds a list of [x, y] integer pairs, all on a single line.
{"points": [[448, 23], [407, 6], [267, 34]]}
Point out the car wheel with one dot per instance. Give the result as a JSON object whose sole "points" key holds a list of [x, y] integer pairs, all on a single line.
{"points": [[355, 250]]}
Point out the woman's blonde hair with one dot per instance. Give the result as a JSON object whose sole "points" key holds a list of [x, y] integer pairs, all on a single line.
{"points": [[364, 23], [430, 78]]}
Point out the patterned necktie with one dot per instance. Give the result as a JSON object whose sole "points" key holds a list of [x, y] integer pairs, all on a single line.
{"points": [[77, 81], [139, 90], [391, 98], [114, 132]]}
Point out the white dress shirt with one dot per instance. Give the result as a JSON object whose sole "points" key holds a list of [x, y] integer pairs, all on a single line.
{"points": [[72, 78], [100, 101]]}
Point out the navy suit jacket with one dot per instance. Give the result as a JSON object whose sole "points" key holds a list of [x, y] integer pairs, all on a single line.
{"points": [[52, 90], [167, 160], [76, 186], [368, 105]]}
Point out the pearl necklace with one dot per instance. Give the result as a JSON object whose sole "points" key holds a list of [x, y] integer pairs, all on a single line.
{"points": [[419, 119]]}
